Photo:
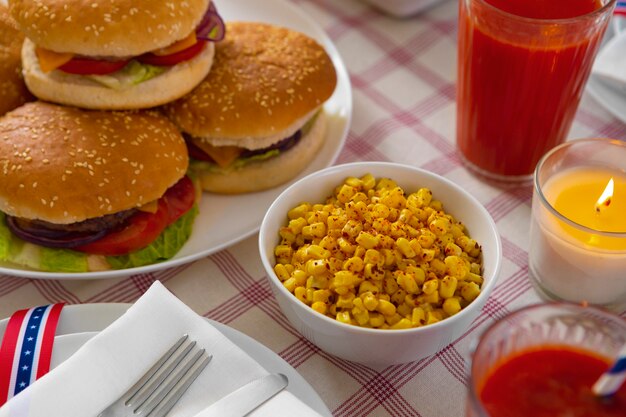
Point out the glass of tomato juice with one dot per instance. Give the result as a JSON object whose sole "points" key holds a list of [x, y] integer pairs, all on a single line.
{"points": [[542, 361], [522, 69]]}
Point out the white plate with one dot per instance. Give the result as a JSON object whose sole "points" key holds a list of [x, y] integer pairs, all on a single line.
{"points": [[611, 98], [225, 220], [78, 323]]}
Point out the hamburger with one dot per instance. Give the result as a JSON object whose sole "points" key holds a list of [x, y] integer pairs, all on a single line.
{"points": [[92, 190], [257, 119], [116, 54], [13, 91]]}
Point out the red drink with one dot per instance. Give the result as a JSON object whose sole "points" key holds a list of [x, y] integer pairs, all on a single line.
{"points": [[550, 382], [522, 69]]}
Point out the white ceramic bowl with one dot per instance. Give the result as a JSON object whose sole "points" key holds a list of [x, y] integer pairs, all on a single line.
{"points": [[372, 346]]}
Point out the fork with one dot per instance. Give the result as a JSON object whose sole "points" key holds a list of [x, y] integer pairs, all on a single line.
{"points": [[161, 387]]}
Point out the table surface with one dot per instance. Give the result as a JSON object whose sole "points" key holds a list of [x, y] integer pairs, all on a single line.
{"points": [[403, 75]]}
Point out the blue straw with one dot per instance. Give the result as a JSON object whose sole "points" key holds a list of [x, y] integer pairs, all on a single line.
{"points": [[612, 380]]}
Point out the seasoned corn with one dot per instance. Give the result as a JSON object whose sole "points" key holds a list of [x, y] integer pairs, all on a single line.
{"points": [[373, 256]]}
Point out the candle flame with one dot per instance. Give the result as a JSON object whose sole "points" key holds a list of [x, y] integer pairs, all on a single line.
{"points": [[607, 194]]}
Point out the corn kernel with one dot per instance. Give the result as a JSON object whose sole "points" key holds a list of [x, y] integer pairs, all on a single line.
{"points": [[451, 306], [418, 316], [455, 266], [319, 306], [430, 286], [362, 317], [316, 267], [299, 211], [386, 308], [402, 324], [447, 287], [283, 251], [372, 271], [354, 265], [345, 301], [321, 296], [344, 317], [470, 291], [369, 301], [368, 286], [407, 282], [300, 293], [431, 318], [376, 319], [405, 248], [281, 272]]}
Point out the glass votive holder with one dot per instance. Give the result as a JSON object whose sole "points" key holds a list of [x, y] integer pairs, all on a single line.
{"points": [[578, 223], [542, 360]]}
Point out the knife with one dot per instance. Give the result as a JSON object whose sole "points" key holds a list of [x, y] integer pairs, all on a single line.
{"points": [[246, 398]]}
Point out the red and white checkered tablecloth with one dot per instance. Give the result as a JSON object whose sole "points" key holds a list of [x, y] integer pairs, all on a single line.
{"points": [[403, 77]]}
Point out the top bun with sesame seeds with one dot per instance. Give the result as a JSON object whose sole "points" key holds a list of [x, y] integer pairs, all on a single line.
{"points": [[116, 54], [256, 120], [65, 165], [13, 91]]}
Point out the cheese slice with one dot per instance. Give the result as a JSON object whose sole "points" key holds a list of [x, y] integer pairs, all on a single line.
{"points": [[181, 45], [50, 60], [222, 155], [150, 207]]}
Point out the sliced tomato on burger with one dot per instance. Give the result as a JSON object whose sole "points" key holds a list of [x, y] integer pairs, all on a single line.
{"points": [[85, 66], [144, 227], [175, 58], [179, 198]]}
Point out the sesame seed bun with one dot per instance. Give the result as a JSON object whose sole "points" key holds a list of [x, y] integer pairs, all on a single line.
{"points": [[261, 175], [80, 91], [264, 79], [13, 91], [65, 165], [111, 28]]}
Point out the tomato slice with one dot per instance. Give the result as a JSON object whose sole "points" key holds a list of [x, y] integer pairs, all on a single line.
{"points": [[179, 198], [85, 66], [175, 58], [144, 227]]}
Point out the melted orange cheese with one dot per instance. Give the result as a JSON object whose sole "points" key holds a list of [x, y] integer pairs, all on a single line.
{"points": [[181, 45], [150, 207], [50, 60], [222, 155]]}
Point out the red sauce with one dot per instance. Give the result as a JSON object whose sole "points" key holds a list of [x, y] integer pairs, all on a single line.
{"points": [[552, 382], [515, 101]]}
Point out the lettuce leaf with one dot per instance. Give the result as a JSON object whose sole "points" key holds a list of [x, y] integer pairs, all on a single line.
{"points": [[133, 73], [15, 250]]}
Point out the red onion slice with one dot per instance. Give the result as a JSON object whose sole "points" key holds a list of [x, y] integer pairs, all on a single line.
{"points": [[53, 239], [211, 27]]}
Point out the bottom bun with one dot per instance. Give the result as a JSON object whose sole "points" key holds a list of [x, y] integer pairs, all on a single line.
{"points": [[258, 176], [79, 91]]}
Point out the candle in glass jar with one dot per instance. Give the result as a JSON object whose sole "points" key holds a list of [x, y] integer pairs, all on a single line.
{"points": [[577, 263]]}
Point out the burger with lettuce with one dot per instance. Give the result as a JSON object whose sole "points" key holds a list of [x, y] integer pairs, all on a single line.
{"points": [[257, 119], [116, 54], [92, 190]]}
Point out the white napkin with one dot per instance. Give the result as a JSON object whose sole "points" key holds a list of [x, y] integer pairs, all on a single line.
{"points": [[108, 364], [610, 63]]}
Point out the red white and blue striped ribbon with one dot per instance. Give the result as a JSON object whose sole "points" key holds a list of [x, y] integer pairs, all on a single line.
{"points": [[620, 8], [27, 348]]}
